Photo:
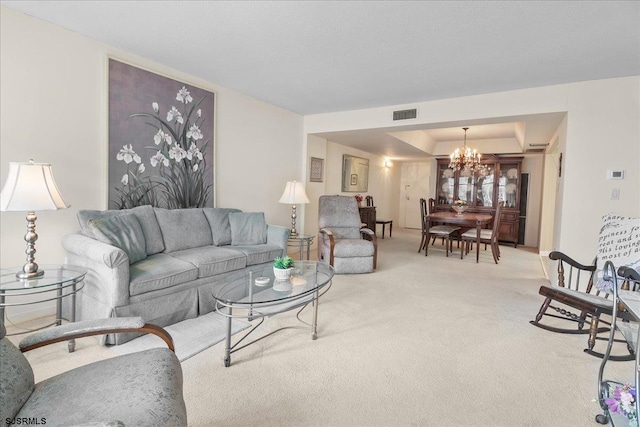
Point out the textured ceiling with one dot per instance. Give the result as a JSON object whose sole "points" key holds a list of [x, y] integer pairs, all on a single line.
{"points": [[324, 56]]}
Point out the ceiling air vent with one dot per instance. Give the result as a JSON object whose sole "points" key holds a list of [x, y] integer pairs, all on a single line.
{"points": [[536, 148], [405, 114]]}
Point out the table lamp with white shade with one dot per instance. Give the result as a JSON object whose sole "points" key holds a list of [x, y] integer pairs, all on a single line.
{"points": [[294, 194], [30, 187]]}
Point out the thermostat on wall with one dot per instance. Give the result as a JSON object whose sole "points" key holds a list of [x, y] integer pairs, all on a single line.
{"points": [[615, 174]]}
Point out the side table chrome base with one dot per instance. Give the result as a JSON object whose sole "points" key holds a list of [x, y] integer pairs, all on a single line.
{"points": [[32, 275]]}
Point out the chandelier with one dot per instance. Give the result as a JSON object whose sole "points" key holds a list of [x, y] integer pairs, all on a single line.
{"points": [[466, 159]]}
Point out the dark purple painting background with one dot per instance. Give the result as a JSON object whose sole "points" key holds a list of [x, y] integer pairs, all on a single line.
{"points": [[133, 90]]}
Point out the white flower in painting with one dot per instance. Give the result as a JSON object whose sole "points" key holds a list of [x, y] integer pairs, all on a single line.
{"points": [[161, 136], [195, 167], [177, 153], [184, 96], [199, 112], [125, 179], [155, 107], [141, 168], [174, 113], [194, 151], [158, 137], [194, 132], [128, 155], [159, 158]]}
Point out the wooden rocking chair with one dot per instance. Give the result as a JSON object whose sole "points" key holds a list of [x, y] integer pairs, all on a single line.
{"points": [[577, 293]]}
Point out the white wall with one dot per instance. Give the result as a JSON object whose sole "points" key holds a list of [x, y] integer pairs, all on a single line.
{"points": [[533, 165], [53, 87], [603, 132]]}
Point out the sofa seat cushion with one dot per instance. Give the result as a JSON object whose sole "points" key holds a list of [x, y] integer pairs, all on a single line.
{"points": [[159, 271], [138, 389], [212, 260], [258, 254], [347, 248]]}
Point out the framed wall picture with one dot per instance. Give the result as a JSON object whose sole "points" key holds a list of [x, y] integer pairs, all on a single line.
{"points": [[355, 174], [316, 169], [160, 141]]}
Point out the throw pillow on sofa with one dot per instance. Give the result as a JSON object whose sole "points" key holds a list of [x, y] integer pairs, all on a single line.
{"points": [[219, 221], [123, 231], [183, 228], [247, 228], [145, 215]]}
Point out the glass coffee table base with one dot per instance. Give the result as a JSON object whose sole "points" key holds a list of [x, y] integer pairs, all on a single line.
{"points": [[229, 348]]}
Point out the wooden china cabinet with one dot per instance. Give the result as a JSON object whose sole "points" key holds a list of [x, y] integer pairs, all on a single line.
{"points": [[483, 192]]}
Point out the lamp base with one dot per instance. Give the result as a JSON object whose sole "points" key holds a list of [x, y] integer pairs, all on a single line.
{"points": [[31, 275]]}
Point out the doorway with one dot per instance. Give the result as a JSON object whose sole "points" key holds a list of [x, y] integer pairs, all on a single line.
{"points": [[414, 186]]}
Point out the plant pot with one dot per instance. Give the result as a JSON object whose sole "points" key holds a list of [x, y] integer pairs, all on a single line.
{"points": [[282, 274]]}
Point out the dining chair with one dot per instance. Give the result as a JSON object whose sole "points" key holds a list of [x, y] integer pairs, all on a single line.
{"points": [[487, 236], [428, 231], [384, 222]]}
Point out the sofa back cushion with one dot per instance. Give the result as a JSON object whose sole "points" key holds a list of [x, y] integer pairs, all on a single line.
{"points": [[183, 228], [248, 228], [122, 231], [146, 217], [16, 378], [219, 221]]}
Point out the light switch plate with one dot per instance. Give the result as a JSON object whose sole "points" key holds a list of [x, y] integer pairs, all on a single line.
{"points": [[615, 193]]}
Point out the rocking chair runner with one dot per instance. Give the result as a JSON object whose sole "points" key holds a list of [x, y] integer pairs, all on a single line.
{"points": [[579, 295]]}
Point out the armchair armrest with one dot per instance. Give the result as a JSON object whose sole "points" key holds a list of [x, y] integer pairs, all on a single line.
{"points": [[93, 327], [369, 234], [332, 243], [629, 273], [556, 255]]}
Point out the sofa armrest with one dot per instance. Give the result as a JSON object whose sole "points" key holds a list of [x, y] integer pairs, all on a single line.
{"points": [[94, 250], [90, 328], [278, 235], [107, 278]]}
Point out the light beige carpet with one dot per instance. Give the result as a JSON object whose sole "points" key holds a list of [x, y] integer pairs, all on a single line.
{"points": [[423, 341]]}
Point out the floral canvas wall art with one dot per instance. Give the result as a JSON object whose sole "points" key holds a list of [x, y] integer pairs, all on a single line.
{"points": [[160, 141]]}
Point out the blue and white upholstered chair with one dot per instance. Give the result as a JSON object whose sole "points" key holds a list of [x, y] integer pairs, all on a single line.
{"points": [[343, 241], [138, 389]]}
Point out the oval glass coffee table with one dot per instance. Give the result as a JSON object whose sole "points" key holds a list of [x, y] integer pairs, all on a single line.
{"points": [[258, 295]]}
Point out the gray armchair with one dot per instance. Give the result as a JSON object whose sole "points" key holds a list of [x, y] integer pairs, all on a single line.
{"points": [[342, 240], [138, 389]]}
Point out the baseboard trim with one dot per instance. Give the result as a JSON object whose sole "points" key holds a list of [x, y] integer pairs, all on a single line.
{"points": [[21, 314]]}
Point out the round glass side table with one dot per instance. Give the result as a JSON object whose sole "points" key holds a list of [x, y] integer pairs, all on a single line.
{"points": [[300, 240], [58, 281]]}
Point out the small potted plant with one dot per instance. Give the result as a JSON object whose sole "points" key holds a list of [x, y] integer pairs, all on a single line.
{"points": [[359, 199], [459, 206], [282, 267]]}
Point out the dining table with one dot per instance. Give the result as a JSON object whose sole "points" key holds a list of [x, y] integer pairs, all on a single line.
{"points": [[465, 219]]}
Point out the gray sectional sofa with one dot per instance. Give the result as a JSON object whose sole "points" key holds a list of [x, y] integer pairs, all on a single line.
{"points": [[165, 265]]}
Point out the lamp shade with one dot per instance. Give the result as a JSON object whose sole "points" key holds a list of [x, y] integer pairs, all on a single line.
{"points": [[294, 193], [30, 187]]}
